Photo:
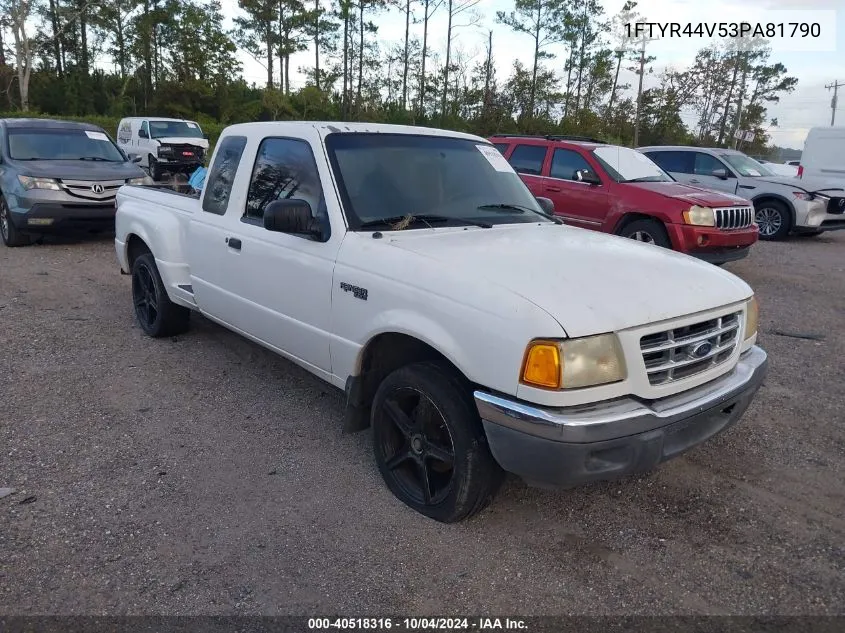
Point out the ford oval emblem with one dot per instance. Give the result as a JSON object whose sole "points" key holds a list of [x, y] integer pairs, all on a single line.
{"points": [[701, 350]]}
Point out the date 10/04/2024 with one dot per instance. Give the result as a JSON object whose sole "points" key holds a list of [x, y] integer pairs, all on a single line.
{"points": [[418, 624]]}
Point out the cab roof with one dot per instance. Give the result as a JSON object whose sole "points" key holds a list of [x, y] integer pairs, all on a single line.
{"points": [[340, 127]]}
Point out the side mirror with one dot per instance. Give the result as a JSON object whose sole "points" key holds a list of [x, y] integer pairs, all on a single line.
{"points": [[721, 173], [143, 134], [291, 216], [546, 205], [205, 136], [587, 176]]}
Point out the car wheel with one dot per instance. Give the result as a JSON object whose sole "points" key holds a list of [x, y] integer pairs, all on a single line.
{"points": [[8, 231], [773, 220], [156, 313], [429, 443], [648, 231]]}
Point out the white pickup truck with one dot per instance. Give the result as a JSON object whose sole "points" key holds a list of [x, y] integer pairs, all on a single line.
{"points": [[475, 334]]}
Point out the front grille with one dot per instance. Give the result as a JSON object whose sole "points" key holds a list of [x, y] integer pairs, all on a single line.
{"points": [[182, 151], [836, 205], [85, 188], [686, 351], [734, 217]]}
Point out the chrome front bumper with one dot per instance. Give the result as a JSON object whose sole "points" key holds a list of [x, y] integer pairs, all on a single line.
{"points": [[563, 447]]}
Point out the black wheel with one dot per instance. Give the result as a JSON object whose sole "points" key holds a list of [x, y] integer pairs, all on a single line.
{"points": [[648, 231], [429, 443], [8, 231], [155, 169], [773, 219], [156, 313]]}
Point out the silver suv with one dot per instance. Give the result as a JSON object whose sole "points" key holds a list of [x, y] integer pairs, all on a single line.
{"points": [[782, 204]]}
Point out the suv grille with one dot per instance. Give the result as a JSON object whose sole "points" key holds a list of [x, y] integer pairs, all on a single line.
{"points": [[734, 217], [91, 189], [685, 351]]}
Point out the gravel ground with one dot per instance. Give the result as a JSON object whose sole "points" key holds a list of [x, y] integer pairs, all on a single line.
{"points": [[204, 475]]}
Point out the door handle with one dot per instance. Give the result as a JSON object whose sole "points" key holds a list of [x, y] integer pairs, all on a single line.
{"points": [[234, 242], [554, 189]]}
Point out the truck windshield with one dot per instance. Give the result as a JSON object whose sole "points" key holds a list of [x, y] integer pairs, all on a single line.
{"points": [[62, 144], [177, 129], [747, 166], [628, 165], [383, 177]]}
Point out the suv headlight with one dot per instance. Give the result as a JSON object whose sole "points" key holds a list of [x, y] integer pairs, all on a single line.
{"points": [[29, 182], [141, 180], [574, 363], [700, 216], [752, 314]]}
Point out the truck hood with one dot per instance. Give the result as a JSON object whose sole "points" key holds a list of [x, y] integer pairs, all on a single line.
{"points": [[78, 169], [589, 282], [691, 195], [809, 185], [183, 140]]}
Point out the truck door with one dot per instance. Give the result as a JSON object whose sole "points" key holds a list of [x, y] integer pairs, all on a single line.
{"points": [[276, 287]]}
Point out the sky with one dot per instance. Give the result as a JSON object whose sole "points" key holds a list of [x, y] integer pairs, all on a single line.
{"points": [[806, 107]]}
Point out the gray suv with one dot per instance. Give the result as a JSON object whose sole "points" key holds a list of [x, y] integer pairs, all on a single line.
{"points": [[782, 204], [56, 175]]}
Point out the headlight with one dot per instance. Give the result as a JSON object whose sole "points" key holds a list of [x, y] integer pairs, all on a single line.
{"points": [[142, 180], [752, 314], [802, 195], [700, 216], [574, 363], [29, 182]]}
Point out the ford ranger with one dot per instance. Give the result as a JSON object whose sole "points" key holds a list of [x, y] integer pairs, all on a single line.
{"points": [[472, 332]]}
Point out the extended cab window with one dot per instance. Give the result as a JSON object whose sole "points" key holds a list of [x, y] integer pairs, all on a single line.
{"points": [[677, 162], [565, 162], [284, 169], [222, 175], [528, 159]]}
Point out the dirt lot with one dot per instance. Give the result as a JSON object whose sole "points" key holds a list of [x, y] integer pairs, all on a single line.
{"points": [[204, 475]]}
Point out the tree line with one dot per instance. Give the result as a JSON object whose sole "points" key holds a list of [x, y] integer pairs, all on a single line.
{"points": [[112, 58]]}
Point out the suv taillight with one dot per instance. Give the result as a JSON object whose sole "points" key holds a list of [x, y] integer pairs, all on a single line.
{"points": [[800, 170]]}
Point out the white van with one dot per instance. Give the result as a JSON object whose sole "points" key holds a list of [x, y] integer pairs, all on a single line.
{"points": [[164, 145], [824, 154]]}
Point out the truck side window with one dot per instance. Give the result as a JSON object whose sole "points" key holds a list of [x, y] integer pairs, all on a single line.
{"points": [[565, 162], [284, 169], [528, 159], [219, 181]]}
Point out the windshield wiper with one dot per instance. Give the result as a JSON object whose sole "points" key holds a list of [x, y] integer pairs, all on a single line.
{"points": [[645, 179], [425, 218], [98, 158], [508, 207]]}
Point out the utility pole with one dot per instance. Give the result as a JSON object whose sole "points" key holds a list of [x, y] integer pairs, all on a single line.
{"points": [[642, 44], [835, 86]]}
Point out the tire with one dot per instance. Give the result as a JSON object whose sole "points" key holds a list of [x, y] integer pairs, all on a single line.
{"points": [[426, 428], [773, 219], [648, 231], [11, 235], [155, 169], [156, 314]]}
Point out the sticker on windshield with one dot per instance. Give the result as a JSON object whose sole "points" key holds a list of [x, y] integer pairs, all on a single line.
{"points": [[494, 157], [97, 136], [191, 125]]}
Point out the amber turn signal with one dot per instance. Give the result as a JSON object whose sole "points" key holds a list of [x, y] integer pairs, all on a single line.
{"points": [[542, 365]]}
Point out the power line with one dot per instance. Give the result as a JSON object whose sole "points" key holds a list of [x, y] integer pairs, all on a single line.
{"points": [[835, 87]]}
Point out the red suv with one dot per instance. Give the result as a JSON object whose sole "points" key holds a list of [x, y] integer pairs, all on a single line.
{"points": [[618, 190]]}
